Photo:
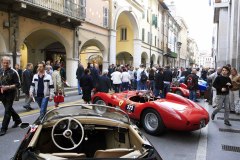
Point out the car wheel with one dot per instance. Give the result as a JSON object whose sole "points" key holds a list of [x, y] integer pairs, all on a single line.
{"points": [[152, 122], [178, 92], [99, 109]]}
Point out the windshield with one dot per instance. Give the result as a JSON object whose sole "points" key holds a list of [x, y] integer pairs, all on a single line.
{"points": [[87, 110]]}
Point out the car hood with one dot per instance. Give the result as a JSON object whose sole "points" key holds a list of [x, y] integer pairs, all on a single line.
{"points": [[183, 108]]}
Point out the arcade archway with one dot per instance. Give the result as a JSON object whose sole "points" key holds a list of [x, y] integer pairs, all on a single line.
{"points": [[124, 58]]}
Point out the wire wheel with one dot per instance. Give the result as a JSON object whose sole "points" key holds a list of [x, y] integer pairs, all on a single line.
{"points": [[99, 109], [152, 122]]}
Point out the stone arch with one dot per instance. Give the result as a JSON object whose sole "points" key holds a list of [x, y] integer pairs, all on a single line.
{"points": [[153, 59], [133, 18], [124, 58], [99, 53], [37, 42], [144, 58], [51, 33], [159, 60]]}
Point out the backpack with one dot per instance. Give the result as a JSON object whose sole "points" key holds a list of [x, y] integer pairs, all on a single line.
{"points": [[143, 76], [190, 82]]}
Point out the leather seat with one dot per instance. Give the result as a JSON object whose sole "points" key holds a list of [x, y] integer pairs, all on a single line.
{"points": [[112, 153], [135, 154], [70, 155]]}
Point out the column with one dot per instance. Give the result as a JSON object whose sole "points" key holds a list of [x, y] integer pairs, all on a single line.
{"points": [[222, 55], [71, 67], [233, 36], [105, 60], [113, 49], [137, 51], [238, 39]]}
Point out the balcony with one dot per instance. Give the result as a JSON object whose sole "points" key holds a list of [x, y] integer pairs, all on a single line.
{"points": [[62, 12], [222, 1]]}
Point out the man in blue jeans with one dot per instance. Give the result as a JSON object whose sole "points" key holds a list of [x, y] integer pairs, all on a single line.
{"points": [[42, 89], [79, 74], [167, 79]]}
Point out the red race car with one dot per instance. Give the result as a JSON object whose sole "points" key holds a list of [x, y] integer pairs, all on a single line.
{"points": [[156, 115], [182, 90]]}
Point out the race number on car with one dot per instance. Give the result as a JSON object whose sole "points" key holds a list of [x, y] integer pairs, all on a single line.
{"points": [[130, 108]]}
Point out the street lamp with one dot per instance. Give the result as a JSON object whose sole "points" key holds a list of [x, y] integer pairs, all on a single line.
{"points": [[179, 44]]}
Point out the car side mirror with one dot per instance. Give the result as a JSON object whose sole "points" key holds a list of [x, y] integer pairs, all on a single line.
{"points": [[24, 125]]}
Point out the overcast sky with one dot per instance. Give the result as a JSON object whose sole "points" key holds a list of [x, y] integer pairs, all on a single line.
{"points": [[199, 17]]}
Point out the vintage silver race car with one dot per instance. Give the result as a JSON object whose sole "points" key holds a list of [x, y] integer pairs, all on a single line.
{"points": [[79, 132]]}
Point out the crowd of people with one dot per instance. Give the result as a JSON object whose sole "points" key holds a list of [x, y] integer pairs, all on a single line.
{"points": [[46, 80]]}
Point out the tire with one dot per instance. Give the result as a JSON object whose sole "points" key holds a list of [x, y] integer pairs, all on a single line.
{"points": [[99, 110], [152, 122], [178, 92]]}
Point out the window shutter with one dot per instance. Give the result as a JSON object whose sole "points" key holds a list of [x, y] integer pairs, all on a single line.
{"points": [[105, 17]]}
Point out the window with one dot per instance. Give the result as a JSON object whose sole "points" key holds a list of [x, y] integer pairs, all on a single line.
{"points": [[148, 37], [147, 16], [105, 17], [143, 34], [155, 41], [143, 15], [123, 34], [151, 37]]}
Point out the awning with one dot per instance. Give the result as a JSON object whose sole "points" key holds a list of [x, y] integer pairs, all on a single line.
{"points": [[171, 54]]}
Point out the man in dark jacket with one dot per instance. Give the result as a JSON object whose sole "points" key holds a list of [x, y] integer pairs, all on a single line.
{"points": [[104, 83], [222, 84], [79, 74], [167, 78], [26, 83], [192, 83], [94, 72], [10, 81], [158, 83]]}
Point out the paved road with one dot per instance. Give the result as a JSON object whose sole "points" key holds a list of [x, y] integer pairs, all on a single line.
{"points": [[204, 144]]}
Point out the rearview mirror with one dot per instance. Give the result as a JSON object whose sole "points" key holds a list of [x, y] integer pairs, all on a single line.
{"points": [[24, 125]]}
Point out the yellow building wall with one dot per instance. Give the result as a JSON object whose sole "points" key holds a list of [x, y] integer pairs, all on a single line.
{"points": [[4, 32], [83, 60], [126, 46], [24, 56]]}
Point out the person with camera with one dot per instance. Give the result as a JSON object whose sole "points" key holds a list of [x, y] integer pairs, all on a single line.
{"points": [[10, 81]]}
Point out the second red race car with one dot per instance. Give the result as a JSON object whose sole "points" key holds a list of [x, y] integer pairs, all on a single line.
{"points": [[156, 115], [182, 90]]}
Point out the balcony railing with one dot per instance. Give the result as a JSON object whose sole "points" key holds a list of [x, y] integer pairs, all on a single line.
{"points": [[222, 1], [64, 7]]}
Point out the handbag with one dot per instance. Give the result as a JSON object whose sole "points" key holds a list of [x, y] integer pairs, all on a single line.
{"points": [[58, 98]]}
